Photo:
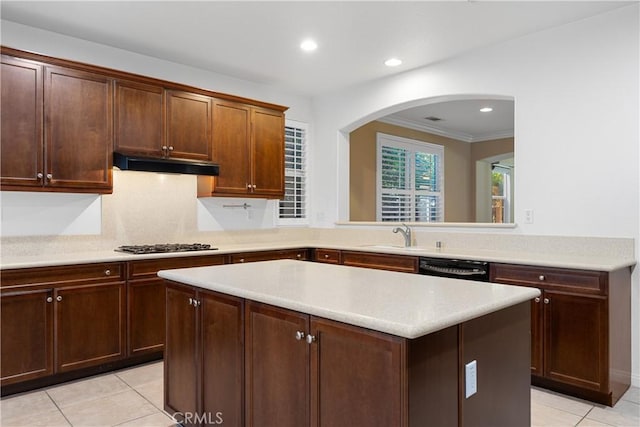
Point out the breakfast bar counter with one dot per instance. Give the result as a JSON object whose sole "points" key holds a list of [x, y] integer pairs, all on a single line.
{"points": [[293, 343]]}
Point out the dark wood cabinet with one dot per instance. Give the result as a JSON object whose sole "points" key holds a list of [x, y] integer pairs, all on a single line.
{"points": [[248, 144], [90, 325], [402, 263], [277, 366], [146, 300], [189, 125], [267, 153], [347, 360], [26, 332], [231, 147], [60, 319], [204, 356], [78, 130], [139, 119], [21, 149], [575, 339], [299, 254], [580, 329], [329, 256]]}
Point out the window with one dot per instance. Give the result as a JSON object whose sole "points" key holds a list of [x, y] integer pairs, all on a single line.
{"points": [[409, 180], [293, 207], [500, 193]]}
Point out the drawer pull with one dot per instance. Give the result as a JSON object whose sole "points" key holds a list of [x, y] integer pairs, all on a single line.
{"points": [[241, 259], [546, 301], [541, 277], [299, 256], [107, 272], [326, 256]]}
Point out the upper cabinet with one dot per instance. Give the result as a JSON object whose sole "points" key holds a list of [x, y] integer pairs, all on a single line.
{"points": [[70, 150], [139, 119], [188, 125], [151, 121], [248, 144], [21, 147], [62, 121]]}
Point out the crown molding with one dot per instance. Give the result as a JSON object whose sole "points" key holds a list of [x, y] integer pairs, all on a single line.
{"points": [[460, 136]]}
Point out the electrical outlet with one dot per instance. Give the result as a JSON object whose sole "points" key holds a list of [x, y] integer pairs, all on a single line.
{"points": [[528, 216], [471, 378]]}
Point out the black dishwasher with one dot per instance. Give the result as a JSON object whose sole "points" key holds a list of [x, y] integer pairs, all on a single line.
{"points": [[455, 268]]}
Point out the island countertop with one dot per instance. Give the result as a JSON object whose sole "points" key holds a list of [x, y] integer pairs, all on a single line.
{"points": [[402, 304]]}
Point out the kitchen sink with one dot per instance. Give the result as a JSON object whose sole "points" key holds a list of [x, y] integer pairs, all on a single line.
{"points": [[398, 247]]}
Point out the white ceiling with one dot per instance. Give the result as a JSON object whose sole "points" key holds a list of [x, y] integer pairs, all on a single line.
{"points": [[259, 41]]}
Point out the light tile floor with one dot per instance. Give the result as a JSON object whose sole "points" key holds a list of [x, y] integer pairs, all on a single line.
{"points": [[133, 397]]}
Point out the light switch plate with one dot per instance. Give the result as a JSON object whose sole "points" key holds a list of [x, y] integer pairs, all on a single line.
{"points": [[471, 378]]}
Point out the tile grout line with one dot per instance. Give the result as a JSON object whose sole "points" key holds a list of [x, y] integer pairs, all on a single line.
{"points": [[46, 391]]}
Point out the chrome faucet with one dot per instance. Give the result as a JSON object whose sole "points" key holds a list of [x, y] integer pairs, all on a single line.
{"points": [[406, 233]]}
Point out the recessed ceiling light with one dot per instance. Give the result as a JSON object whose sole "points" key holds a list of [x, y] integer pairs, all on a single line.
{"points": [[308, 45], [486, 109], [392, 62]]}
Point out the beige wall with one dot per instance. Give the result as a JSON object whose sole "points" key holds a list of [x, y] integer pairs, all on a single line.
{"points": [[362, 172]]}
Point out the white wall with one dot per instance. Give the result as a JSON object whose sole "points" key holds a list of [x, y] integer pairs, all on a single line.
{"points": [[576, 90]]}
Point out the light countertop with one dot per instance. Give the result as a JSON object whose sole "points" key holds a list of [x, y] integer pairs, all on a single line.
{"points": [[601, 262], [402, 304]]}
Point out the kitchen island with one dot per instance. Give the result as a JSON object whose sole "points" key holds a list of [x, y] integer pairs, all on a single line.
{"points": [[292, 343]]}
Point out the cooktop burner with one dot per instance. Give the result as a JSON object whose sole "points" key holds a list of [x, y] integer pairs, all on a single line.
{"points": [[166, 247]]}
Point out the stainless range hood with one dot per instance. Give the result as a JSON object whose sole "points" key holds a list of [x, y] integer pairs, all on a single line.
{"points": [[150, 164]]}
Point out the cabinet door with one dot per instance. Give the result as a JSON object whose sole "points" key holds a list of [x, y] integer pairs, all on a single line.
{"points": [[189, 118], [79, 130], [139, 123], [231, 147], [537, 336], [267, 147], [180, 354], [347, 360], [296, 254], [276, 367], [222, 325], [21, 147], [90, 325], [26, 332], [575, 347], [146, 316]]}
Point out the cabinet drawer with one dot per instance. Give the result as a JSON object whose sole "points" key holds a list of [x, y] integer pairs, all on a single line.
{"points": [[550, 278], [401, 263], [149, 267], [101, 272], [300, 254], [330, 256]]}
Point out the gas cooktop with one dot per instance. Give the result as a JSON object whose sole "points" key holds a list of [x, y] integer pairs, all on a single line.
{"points": [[165, 247]]}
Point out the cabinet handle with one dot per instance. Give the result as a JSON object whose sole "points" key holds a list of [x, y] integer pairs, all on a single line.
{"points": [[299, 256], [49, 299], [254, 187], [546, 301], [299, 335], [40, 175], [537, 299], [198, 303], [326, 256], [164, 148], [59, 298], [241, 259], [191, 300], [249, 187], [49, 176], [541, 277], [107, 272], [310, 339]]}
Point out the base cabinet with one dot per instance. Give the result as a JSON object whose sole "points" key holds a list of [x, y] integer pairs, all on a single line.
{"points": [[580, 329], [61, 319], [204, 357], [301, 370]]}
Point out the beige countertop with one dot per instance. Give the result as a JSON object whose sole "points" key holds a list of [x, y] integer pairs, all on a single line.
{"points": [[600, 262], [406, 305]]}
